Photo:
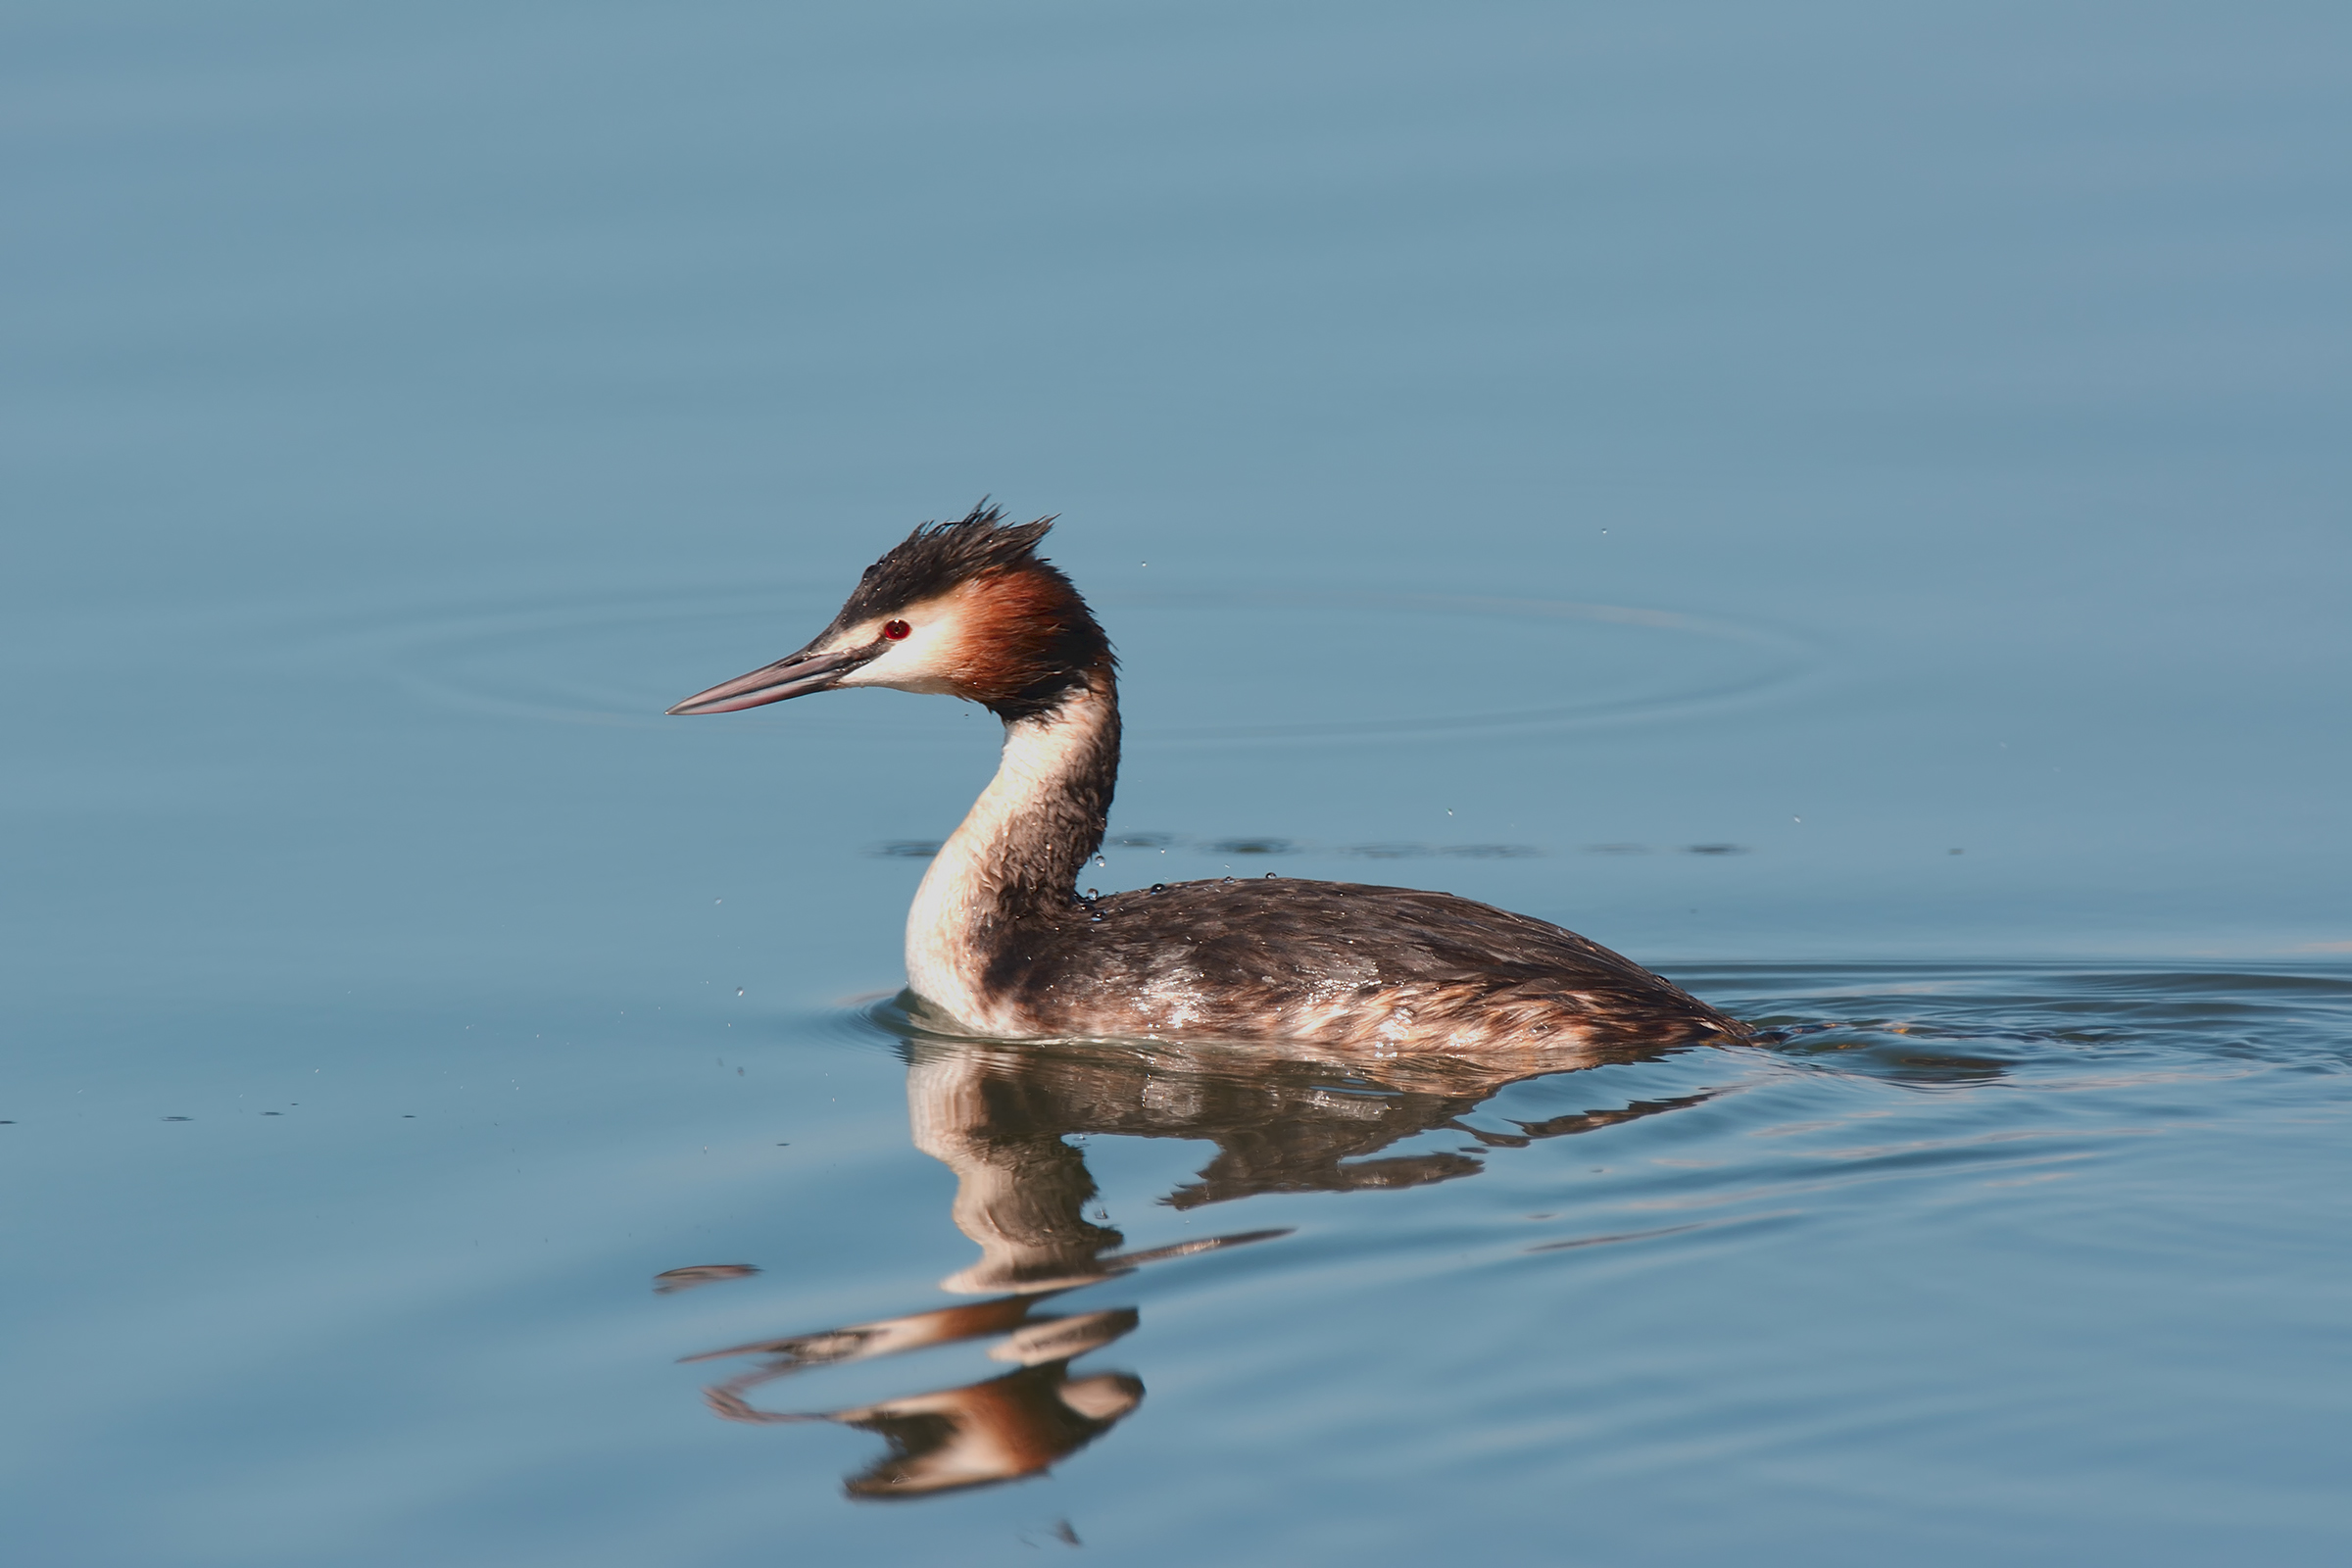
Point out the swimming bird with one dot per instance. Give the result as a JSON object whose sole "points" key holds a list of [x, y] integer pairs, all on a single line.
{"points": [[1002, 941]]}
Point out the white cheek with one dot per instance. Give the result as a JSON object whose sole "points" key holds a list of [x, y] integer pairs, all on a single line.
{"points": [[919, 662]]}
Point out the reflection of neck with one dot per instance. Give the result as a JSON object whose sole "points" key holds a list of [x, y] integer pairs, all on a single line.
{"points": [[1020, 849], [1020, 1191]]}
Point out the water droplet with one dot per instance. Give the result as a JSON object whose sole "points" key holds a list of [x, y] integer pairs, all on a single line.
{"points": [[1229, 881], [1104, 864], [1269, 876], [1160, 887], [739, 991], [1098, 917], [1094, 892]]}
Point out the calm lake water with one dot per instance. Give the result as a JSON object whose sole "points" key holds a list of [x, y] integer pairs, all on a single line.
{"points": [[1845, 505]]}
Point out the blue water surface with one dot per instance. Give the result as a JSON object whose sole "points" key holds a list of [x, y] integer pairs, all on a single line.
{"points": [[1845, 505]]}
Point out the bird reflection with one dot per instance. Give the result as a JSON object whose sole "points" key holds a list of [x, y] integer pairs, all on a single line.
{"points": [[1000, 1116], [997, 1430]]}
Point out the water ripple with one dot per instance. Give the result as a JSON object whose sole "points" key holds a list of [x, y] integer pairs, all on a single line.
{"points": [[1536, 665]]}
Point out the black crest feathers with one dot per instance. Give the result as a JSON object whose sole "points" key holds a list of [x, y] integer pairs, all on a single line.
{"points": [[938, 555]]}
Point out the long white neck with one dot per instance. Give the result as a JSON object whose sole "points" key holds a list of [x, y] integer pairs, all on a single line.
{"points": [[1017, 853]]}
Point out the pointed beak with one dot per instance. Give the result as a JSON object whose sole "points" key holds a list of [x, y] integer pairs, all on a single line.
{"points": [[794, 675]]}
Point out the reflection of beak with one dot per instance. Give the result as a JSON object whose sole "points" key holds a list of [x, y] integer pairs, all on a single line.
{"points": [[794, 675], [1064, 1339], [862, 1342]]}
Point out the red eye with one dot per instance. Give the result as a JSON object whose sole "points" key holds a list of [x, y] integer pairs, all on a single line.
{"points": [[895, 629]]}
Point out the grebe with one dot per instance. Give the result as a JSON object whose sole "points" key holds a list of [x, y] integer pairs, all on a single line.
{"points": [[1001, 940]]}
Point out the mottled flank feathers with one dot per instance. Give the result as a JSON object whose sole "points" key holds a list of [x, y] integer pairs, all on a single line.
{"points": [[1376, 970]]}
